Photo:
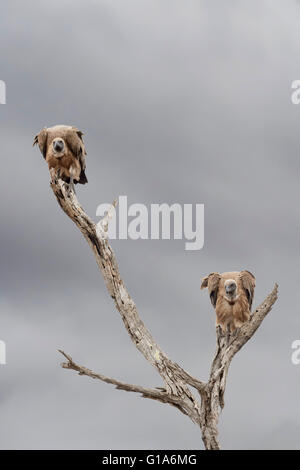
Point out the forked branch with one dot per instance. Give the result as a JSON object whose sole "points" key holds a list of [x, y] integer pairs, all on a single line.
{"points": [[177, 382]]}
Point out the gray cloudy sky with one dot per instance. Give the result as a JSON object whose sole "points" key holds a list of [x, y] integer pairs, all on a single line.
{"points": [[183, 102]]}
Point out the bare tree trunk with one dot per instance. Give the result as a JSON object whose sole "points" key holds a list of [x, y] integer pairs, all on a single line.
{"points": [[177, 382]]}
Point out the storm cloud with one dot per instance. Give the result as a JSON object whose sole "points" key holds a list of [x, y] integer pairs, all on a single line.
{"points": [[186, 102]]}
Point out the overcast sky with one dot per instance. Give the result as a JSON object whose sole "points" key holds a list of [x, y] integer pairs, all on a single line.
{"points": [[180, 101]]}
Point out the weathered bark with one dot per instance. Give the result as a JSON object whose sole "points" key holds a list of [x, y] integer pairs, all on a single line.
{"points": [[177, 382]]}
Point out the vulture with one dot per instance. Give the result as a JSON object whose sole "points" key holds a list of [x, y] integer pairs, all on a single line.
{"points": [[63, 149], [231, 295]]}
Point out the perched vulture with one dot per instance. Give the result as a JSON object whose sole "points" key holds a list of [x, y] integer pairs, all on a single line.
{"points": [[231, 295], [64, 151]]}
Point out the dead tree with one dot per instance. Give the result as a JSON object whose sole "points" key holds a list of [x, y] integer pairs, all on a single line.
{"points": [[177, 383]]}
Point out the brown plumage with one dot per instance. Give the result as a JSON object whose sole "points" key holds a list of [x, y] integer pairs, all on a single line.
{"points": [[64, 151], [231, 294]]}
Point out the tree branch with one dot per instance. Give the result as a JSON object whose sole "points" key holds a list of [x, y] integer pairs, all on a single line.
{"points": [[177, 381], [174, 376], [155, 394]]}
